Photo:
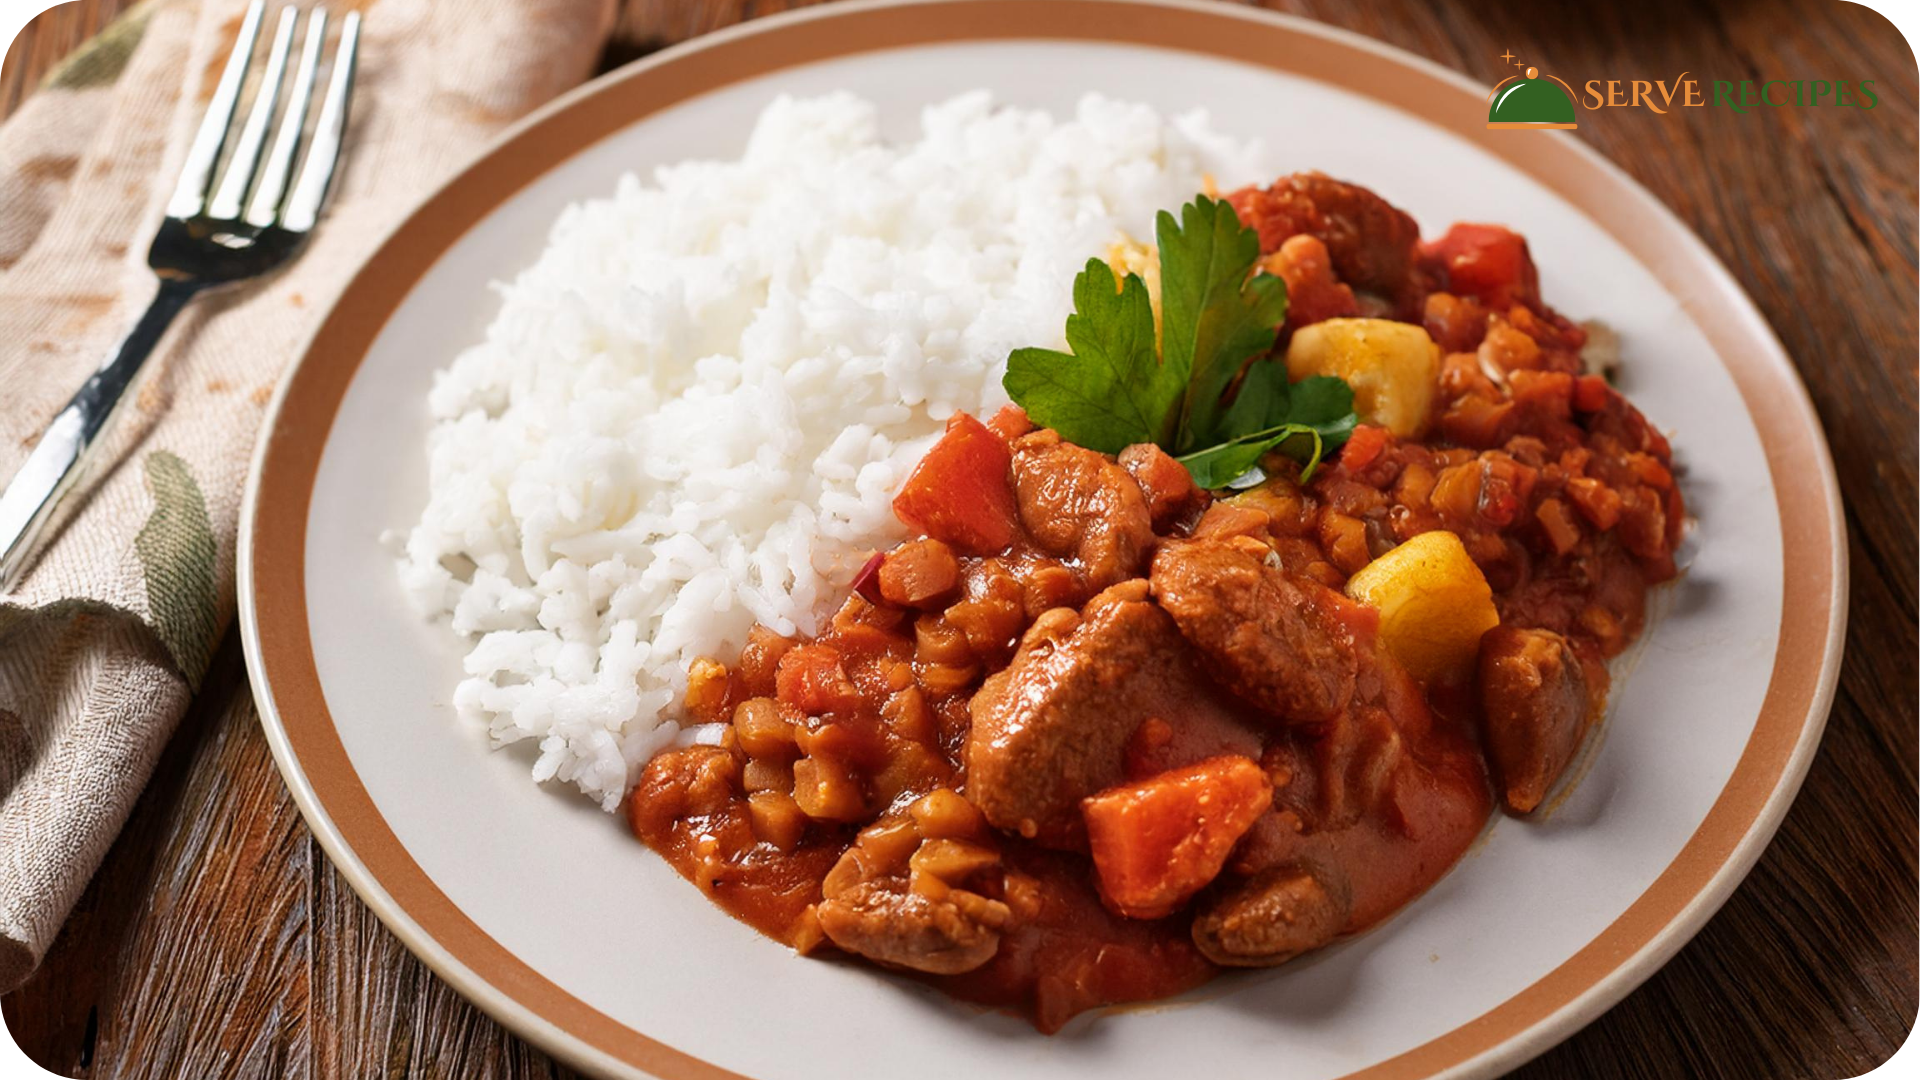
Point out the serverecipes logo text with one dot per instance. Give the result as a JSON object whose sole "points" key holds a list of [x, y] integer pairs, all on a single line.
{"points": [[1527, 100]]}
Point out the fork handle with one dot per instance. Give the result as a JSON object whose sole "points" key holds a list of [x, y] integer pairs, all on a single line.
{"points": [[55, 463]]}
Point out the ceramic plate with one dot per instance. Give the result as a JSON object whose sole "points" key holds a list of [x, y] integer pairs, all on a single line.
{"points": [[527, 900]]}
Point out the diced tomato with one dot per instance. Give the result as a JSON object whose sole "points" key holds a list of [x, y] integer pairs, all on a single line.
{"points": [[1158, 842], [1010, 422], [1314, 292], [960, 493], [1461, 374], [811, 679], [1643, 522], [1549, 394], [1590, 393], [1489, 263], [1596, 501], [1649, 470], [1505, 485], [1363, 446]]}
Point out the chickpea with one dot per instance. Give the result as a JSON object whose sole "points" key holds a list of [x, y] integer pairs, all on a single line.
{"points": [[826, 791], [944, 814], [763, 731], [776, 819]]}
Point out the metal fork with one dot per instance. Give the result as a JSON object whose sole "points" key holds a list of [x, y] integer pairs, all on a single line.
{"points": [[250, 223]]}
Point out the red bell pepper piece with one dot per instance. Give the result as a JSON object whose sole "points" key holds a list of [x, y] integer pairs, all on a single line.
{"points": [[1487, 262], [961, 492]]}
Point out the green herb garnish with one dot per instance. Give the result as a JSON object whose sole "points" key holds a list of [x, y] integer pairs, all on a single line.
{"points": [[1218, 320], [1318, 416], [1112, 391]]}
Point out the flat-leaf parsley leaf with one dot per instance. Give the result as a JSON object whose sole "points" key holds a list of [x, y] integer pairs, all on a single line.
{"points": [[1214, 317], [1112, 390], [1208, 392]]}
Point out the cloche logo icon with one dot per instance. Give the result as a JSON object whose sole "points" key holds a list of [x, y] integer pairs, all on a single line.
{"points": [[1530, 101]]}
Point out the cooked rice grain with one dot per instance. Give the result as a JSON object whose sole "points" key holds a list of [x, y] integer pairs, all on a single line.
{"points": [[692, 411]]}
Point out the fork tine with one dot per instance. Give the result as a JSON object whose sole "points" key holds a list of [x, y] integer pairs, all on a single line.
{"points": [[190, 194], [265, 205], [245, 159], [316, 175]]}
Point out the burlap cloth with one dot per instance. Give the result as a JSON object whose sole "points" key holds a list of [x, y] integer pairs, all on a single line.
{"points": [[104, 640]]}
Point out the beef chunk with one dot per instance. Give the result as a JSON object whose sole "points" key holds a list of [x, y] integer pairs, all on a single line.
{"points": [[1055, 726], [1168, 486], [1257, 628], [884, 922], [1372, 243], [1355, 760], [1080, 505], [1535, 697]]}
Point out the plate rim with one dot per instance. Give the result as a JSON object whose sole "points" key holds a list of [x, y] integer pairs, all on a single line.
{"points": [[1766, 776]]}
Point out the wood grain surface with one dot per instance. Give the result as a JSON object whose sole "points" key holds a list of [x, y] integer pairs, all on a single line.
{"points": [[217, 941]]}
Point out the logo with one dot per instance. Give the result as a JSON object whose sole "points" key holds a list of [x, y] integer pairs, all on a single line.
{"points": [[1529, 101]]}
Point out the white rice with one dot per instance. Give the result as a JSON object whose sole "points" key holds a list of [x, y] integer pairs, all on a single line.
{"points": [[692, 412]]}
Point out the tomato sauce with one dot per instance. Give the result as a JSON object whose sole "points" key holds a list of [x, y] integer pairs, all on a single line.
{"points": [[838, 802]]}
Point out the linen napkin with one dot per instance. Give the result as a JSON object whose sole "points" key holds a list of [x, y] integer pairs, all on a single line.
{"points": [[106, 636]]}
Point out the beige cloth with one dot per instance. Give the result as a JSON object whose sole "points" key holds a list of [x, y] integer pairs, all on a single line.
{"points": [[103, 640]]}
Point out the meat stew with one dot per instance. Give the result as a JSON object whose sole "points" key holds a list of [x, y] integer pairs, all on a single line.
{"points": [[1093, 733]]}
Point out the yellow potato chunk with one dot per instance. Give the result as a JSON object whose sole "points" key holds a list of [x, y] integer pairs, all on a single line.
{"points": [[1393, 367], [1433, 601]]}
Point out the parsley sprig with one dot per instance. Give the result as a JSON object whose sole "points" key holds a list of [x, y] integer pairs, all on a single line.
{"points": [[1218, 321]]}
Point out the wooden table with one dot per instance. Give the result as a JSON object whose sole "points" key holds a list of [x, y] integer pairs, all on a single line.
{"points": [[217, 940]]}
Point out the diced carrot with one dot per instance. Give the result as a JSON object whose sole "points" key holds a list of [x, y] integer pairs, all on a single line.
{"points": [[1558, 524], [1157, 842], [960, 493], [1363, 446], [1476, 421]]}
